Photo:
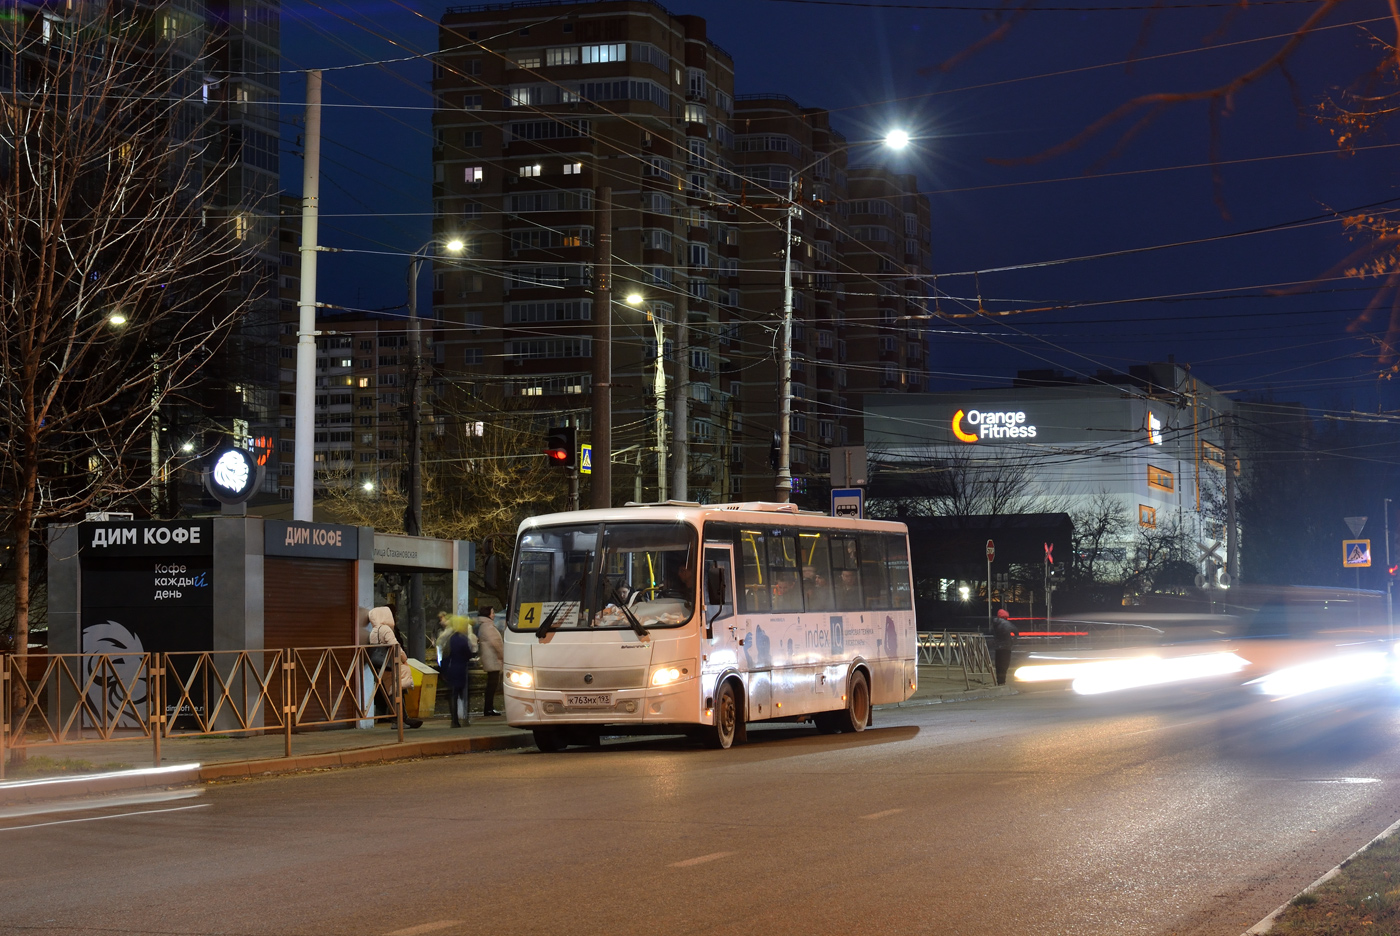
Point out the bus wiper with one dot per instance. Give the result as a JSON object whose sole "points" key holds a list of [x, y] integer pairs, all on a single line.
{"points": [[627, 612], [547, 624]]}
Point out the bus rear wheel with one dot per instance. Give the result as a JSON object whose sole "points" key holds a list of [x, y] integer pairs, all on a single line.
{"points": [[549, 740], [857, 714], [722, 733]]}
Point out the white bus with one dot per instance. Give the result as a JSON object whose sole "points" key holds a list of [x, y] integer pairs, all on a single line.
{"points": [[793, 616]]}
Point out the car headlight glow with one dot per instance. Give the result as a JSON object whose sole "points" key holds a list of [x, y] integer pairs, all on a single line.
{"points": [[520, 679], [665, 675]]}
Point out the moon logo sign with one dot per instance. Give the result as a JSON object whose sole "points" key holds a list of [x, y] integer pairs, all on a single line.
{"points": [[231, 472], [958, 429]]}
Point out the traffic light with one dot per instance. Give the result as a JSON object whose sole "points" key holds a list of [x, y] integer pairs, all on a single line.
{"points": [[775, 452], [559, 447]]}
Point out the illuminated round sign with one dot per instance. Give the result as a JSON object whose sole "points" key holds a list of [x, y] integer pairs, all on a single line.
{"points": [[234, 476]]}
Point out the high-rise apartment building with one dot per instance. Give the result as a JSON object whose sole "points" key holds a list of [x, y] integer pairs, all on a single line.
{"points": [[539, 109]]}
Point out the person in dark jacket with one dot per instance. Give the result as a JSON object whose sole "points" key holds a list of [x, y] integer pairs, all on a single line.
{"points": [[455, 665], [1003, 636]]}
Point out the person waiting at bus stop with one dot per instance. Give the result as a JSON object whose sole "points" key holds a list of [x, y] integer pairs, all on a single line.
{"points": [[1003, 636], [458, 650]]}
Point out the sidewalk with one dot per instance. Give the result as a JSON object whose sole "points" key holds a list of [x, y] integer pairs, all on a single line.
{"points": [[203, 759]]}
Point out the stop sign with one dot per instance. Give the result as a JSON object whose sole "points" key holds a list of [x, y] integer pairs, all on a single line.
{"points": [[991, 550]]}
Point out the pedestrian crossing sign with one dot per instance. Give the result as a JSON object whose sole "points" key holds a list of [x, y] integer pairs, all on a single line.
{"points": [[585, 459], [1356, 554]]}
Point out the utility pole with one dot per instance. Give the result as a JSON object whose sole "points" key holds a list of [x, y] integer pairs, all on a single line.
{"points": [[303, 474], [680, 429], [1389, 579], [783, 493], [600, 489], [658, 389], [413, 515], [1232, 541]]}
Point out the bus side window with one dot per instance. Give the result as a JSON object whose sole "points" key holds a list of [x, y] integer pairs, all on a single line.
{"points": [[897, 554], [782, 567], [874, 583], [816, 570], [757, 596], [845, 572]]}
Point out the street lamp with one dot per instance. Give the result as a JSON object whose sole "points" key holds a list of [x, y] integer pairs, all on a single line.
{"points": [[413, 514], [895, 139], [637, 301]]}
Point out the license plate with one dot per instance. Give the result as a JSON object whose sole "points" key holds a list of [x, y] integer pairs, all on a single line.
{"points": [[589, 700]]}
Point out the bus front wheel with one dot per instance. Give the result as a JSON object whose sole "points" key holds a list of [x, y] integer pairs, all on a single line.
{"points": [[549, 740], [857, 714], [725, 728]]}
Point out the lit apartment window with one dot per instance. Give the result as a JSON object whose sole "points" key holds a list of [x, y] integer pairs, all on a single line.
{"points": [[564, 56], [1159, 479], [528, 60], [596, 54], [695, 113], [475, 174], [573, 168], [529, 172], [1147, 516]]}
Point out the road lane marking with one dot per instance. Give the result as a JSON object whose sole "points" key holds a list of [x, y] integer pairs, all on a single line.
{"points": [[701, 860], [424, 928], [1344, 780], [142, 812], [881, 815]]}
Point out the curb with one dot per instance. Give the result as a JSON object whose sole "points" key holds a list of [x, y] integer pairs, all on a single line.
{"points": [[971, 695], [1267, 924], [49, 789], [235, 770]]}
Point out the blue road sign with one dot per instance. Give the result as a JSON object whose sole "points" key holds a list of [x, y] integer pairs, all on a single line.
{"points": [[585, 459], [848, 502]]}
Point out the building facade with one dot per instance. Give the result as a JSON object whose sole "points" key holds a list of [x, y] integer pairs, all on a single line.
{"points": [[624, 95], [1140, 457]]}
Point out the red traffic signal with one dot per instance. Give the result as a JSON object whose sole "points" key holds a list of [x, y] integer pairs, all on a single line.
{"points": [[560, 449]]}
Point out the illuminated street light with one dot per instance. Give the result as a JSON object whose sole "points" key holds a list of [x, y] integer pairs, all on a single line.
{"points": [[896, 139], [116, 318], [637, 300], [413, 515]]}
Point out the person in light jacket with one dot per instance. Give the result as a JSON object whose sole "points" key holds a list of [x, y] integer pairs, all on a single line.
{"points": [[381, 631], [493, 653]]}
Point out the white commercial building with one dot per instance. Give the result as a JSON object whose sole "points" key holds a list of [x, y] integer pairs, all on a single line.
{"points": [[1150, 445]]}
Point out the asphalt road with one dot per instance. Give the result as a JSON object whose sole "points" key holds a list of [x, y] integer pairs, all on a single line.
{"points": [[1040, 813]]}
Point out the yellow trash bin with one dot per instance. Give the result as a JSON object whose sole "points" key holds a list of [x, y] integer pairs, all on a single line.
{"points": [[421, 700]]}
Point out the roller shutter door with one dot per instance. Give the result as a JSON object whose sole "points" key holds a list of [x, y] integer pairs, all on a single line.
{"points": [[312, 603], [308, 603]]}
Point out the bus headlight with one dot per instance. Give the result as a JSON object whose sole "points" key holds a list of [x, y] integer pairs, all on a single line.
{"points": [[520, 678], [665, 675]]}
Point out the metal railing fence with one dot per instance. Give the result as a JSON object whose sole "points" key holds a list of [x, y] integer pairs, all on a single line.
{"points": [[961, 649], [54, 699]]}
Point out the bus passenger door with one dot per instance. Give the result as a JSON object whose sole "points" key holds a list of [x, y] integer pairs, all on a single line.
{"points": [[721, 643]]}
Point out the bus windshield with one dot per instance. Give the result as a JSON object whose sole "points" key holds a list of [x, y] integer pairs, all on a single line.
{"points": [[604, 575]]}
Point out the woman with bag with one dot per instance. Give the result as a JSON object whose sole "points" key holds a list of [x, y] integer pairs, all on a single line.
{"points": [[384, 647]]}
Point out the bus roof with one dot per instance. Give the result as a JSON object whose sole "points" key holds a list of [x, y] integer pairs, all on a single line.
{"points": [[747, 511]]}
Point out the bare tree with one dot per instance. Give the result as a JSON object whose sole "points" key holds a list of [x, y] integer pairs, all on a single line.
{"points": [[955, 483], [1101, 537], [115, 280], [494, 478]]}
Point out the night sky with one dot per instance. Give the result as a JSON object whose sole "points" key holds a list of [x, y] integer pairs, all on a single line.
{"points": [[1215, 304]]}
